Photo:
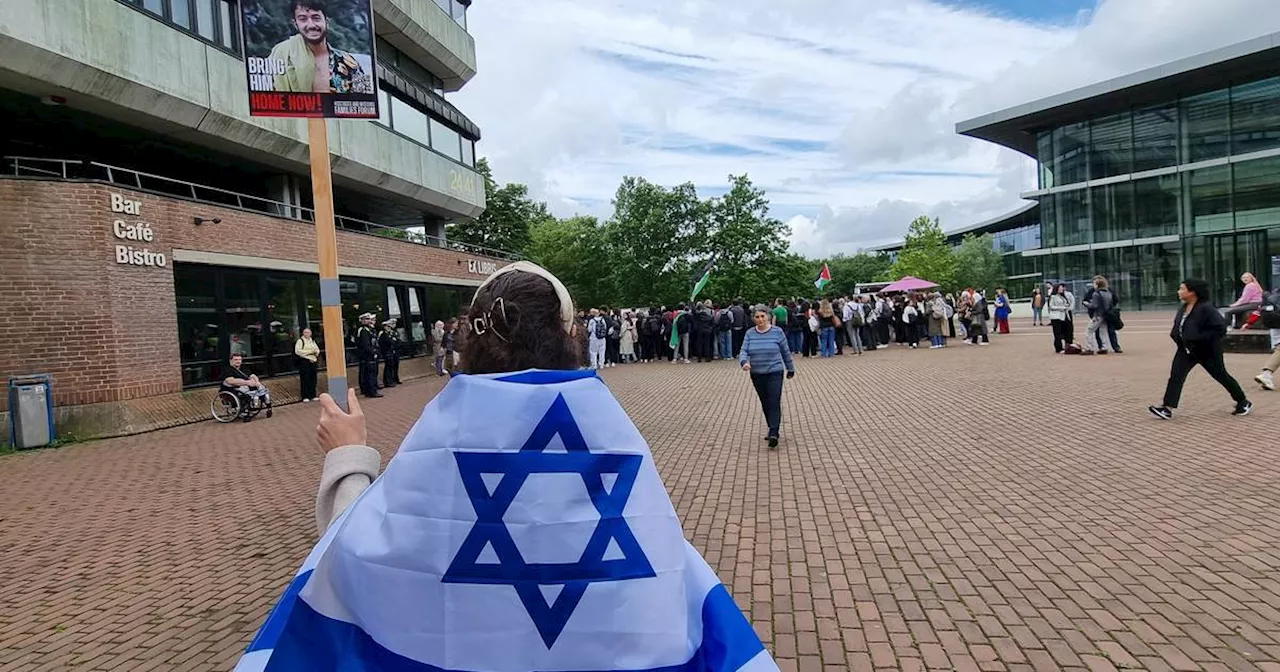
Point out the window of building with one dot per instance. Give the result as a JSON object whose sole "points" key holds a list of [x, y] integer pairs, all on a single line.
{"points": [[418, 330], [1209, 201], [1160, 274], [1255, 116], [242, 306], [1119, 265], [384, 107], [1112, 212], [1073, 217], [446, 140], [1155, 138], [1044, 152], [1070, 153], [1156, 206], [1110, 146], [284, 323], [408, 121], [1205, 133], [1256, 197], [1048, 221], [199, 326], [468, 152], [215, 21]]}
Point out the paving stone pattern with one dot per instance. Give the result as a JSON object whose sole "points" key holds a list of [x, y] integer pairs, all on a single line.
{"points": [[973, 508]]}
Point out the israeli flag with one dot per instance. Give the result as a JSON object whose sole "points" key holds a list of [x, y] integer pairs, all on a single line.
{"points": [[521, 526]]}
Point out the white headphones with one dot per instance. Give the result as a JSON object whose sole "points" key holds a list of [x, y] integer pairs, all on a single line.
{"points": [[566, 303]]}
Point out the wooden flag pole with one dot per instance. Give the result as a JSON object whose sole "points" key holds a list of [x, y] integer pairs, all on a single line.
{"points": [[327, 258]]}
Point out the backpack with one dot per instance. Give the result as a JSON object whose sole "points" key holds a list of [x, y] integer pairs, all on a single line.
{"points": [[1071, 349], [601, 329], [940, 314], [1270, 310], [856, 318], [615, 328], [726, 321], [950, 311], [911, 316], [653, 325]]}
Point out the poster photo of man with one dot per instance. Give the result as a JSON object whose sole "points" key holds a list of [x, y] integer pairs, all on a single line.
{"points": [[310, 58]]}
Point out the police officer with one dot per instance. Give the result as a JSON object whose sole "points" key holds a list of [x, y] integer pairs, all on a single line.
{"points": [[389, 348], [367, 355]]}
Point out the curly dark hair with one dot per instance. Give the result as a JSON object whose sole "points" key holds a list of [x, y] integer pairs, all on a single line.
{"points": [[522, 328]]}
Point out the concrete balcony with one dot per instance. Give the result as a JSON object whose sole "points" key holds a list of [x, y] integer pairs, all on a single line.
{"points": [[428, 35], [116, 62]]}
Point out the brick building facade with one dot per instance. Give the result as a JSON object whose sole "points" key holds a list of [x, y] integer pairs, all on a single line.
{"points": [[106, 328]]}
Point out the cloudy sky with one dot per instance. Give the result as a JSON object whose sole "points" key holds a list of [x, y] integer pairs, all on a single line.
{"points": [[844, 110]]}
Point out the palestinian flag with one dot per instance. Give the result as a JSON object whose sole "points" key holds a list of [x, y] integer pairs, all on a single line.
{"points": [[700, 281], [824, 278], [674, 341]]}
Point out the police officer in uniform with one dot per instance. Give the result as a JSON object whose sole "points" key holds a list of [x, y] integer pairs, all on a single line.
{"points": [[389, 348], [367, 355]]}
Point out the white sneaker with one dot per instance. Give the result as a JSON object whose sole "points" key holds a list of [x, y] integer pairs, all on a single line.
{"points": [[1266, 380]]}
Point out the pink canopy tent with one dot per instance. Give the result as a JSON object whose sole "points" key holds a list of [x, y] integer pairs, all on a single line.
{"points": [[909, 284]]}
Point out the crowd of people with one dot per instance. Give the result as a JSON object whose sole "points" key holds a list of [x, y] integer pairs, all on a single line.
{"points": [[823, 328]]}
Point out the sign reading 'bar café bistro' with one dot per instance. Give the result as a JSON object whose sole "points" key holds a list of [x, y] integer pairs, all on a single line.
{"points": [[136, 231]]}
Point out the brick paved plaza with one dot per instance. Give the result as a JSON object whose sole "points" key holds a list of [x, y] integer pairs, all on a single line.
{"points": [[968, 509]]}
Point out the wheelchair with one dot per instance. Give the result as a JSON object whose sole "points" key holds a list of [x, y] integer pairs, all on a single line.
{"points": [[242, 403]]}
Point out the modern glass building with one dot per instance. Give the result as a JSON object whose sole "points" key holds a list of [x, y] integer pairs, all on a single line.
{"points": [[1149, 178]]}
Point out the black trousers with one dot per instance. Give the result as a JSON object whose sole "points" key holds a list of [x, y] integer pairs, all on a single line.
{"points": [[368, 370], [882, 332], [307, 378], [1063, 334], [868, 340], [769, 389], [613, 351], [391, 370], [810, 343], [701, 347], [1211, 360], [738, 336]]}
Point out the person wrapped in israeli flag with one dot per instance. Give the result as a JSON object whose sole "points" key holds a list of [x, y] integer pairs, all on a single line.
{"points": [[521, 526]]}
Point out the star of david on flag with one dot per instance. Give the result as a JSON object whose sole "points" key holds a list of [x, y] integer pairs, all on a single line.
{"points": [[521, 526], [490, 531]]}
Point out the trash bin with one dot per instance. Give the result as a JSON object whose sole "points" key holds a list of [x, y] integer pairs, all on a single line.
{"points": [[31, 411]]}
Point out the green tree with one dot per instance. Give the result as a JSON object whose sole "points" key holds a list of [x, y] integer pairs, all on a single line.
{"points": [[744, 240], [651, 242], [926, 254], [508, 216], [574, 250], [978, 264]]}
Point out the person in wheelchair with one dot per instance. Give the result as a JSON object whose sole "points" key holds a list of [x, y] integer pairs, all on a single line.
{"points": [[251, 392]]}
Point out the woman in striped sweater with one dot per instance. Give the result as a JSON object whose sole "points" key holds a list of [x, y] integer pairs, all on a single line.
{"points": [[765, 355]]}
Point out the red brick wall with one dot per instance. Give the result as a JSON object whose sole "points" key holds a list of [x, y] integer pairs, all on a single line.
{"points": [[108, 331]]}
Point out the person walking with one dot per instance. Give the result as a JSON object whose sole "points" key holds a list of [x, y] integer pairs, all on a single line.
{"points": [[308, 358], [1198, 329], [1269, 314], [437, 345], [1060, 319], [766, 356]]}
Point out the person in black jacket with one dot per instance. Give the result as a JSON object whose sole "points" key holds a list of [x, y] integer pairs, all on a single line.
{"points": [[389, 350], [367, 356], [1198, 329]]}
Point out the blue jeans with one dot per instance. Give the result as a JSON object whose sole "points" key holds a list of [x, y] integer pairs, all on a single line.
{"points": [[795, 339], [726, 344], [828, 336], [938, 340], [1037, 316]]}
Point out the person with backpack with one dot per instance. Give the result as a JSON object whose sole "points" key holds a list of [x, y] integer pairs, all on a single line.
{"points": [[597, 334], [1198, 330], [650, 332], [1269, 315], [724, 332], [1099, 303], [853, 323]]}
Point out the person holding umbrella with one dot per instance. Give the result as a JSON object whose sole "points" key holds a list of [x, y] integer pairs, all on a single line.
{"points": [[765, 355]]}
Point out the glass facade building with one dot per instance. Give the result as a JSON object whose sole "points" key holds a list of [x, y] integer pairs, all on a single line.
{"points": [[1158, 176]]}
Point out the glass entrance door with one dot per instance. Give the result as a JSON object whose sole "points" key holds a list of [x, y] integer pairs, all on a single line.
{"points": [[1231, 256]]}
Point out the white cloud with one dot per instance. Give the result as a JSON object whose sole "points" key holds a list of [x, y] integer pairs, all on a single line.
{"points": [[844, 111]]}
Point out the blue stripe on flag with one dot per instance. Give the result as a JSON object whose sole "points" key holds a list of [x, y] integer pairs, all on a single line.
{"points": [[313, 642], [279, 616], [547, 377]]}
